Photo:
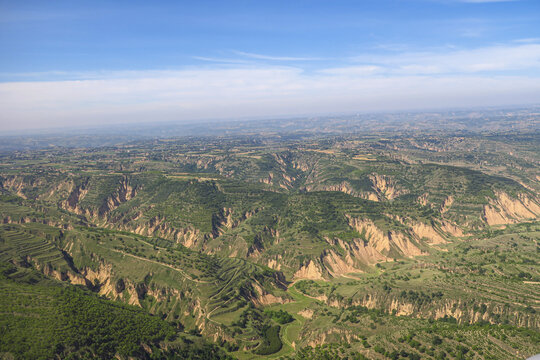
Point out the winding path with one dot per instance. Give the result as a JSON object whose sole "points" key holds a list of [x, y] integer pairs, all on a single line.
{"points": [[162, 264]]}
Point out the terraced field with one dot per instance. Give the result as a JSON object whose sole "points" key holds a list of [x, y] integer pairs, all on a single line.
{"points": [[347, 247], [21, 245]]}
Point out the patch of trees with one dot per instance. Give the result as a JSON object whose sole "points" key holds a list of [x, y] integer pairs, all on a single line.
{"points": [[419, 297], [280, 316], [271, 343], [45, 320], [326, 352]]}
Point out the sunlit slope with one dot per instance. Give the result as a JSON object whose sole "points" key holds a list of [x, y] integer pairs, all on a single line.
{"points": [[408, 246], [168, 280], [346, 215]]}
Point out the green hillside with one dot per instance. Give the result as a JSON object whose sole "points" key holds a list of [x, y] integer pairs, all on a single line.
{"points": [[71, 322], [353, 247]]}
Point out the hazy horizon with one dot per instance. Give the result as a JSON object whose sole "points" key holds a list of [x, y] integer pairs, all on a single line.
{"points": [[67, 64]]}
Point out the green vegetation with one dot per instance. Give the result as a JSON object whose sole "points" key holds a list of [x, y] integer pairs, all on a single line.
{"points": [[72, 323], [271, 342], [280, 316], [351, 247]]}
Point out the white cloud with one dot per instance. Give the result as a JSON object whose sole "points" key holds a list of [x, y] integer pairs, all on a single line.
{"points": [[396, 82], [361, 70], [528, 40], [221, 60], [498, 58], [275, 58]]}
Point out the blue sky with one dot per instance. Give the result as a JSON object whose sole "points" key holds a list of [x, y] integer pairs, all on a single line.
{"points": [[81, 62]]}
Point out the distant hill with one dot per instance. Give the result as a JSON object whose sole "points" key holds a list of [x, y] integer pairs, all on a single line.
{"points": [[377, 245]]}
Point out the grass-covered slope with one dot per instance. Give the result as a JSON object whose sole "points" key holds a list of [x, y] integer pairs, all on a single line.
{"points": [[267, 247], [321, 230], [166, 279], [43, 319]]}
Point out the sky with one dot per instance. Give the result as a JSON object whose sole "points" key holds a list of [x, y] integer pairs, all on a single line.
{"points": [[80, 63]]}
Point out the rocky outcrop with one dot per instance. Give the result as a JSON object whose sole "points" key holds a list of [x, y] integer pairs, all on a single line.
{"points": [[446, 204], [275, 263], [384, 241], [345, 188], [337, 265], [26, 219], [188, 236], [158, 226], [425, 231], [263, 298], [353, 257], [268, 179], [301, 165], [123, 193], [17, 184], [288, 181], [423, 199], [357, 253], [335, 334], [65, 275], [373, 246], [451, 229], [464, 312], [385, 187], [101, 279], [309, 271], [77, 192], [507, 210], [306, 313], [223, 220], [255, 249]]}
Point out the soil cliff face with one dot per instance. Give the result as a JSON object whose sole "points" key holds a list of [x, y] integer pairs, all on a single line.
{"points": [[384, 241], [78, 192], [385, 187], [345, 188], [506, 210], [422, 231], [310, 271], [373, 246], [464, 312], [336, 258], [123, 193]]}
